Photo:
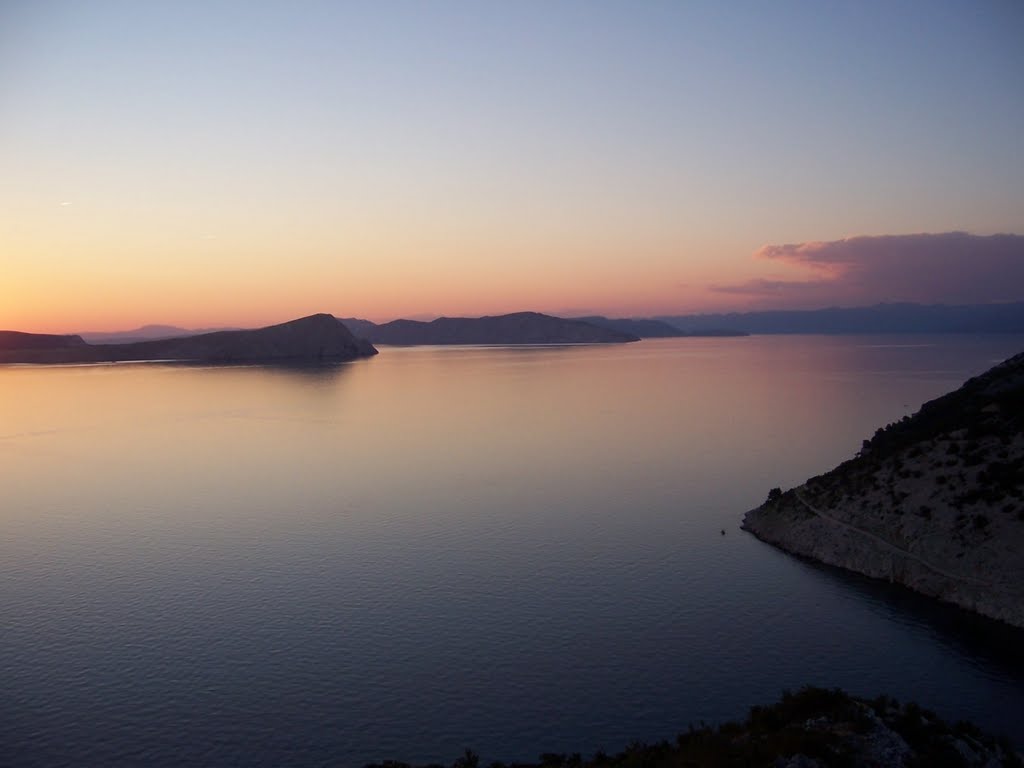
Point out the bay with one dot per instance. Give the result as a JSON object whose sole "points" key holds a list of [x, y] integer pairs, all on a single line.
{"points": [[519, 550]]}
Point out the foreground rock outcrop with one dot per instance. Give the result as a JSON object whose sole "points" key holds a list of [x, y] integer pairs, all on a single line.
{"points": [[314, 339], [934, 502], [813, 728]]}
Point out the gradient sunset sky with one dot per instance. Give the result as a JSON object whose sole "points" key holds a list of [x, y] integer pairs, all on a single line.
{"points": [[243, 163]]}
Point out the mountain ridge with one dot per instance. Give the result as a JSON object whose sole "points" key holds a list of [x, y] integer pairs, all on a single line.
{"points": [[19, 340], [149, 332], [878, 318], [312, 339], [508, 329]]}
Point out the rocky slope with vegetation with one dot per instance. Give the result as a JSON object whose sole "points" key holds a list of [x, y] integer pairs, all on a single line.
{"points": [[812, 728], [314, 339], [934, 502]]}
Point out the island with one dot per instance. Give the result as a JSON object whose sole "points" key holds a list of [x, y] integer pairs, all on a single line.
{"points": [[811, 728], [318, 338], [933, 502], [515, 328]]}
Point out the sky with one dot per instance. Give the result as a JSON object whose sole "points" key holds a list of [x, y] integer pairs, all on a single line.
{"points": [[242, 163]]}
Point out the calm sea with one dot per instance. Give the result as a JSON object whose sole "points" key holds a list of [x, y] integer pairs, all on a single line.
{"points": [[515, 550]]}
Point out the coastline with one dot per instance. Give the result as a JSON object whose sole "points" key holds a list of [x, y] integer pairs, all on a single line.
{"points": [[933, 502]]}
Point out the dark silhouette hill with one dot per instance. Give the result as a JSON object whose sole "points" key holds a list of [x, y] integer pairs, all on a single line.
{"points": [[313, 339], [517, 328], [934, 502], [880, 318], [12, 341], [146, 333]]}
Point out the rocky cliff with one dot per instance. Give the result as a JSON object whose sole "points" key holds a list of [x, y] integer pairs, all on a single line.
{"points": [[934, 502], [313, 339]]}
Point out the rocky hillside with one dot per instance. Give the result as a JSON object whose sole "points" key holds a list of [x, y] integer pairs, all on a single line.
{"points": [[813, 728], [934, 502], [516, 328], [313, 339]]}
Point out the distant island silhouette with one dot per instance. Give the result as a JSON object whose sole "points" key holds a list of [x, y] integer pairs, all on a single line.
{"points": [[811, 728], [146, 333], [314, 339], [540, 328], [515, 328], [317, 338], [168, 342], [16, 341], [881, 318]]}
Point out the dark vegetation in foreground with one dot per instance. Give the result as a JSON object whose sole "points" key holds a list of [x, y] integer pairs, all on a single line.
{"points": [[813, 727]]}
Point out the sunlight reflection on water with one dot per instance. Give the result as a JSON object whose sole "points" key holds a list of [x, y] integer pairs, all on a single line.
{"points": [[514, 549]]}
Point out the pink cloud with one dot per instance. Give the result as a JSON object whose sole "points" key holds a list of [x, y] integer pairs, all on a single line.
{"points": [[946, 268]]}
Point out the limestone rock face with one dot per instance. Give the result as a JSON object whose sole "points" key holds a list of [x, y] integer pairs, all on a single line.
{"points": [[934, 502]]}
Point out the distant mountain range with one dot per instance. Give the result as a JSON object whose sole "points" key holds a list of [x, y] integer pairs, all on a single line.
{"points": [[880, 318], [14, 341], [517, 328], [537, 328], [145, 333], [313, 339]]}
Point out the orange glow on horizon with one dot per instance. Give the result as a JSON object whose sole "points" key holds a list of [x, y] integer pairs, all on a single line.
{"points": [[40, 319], [76, 282]]}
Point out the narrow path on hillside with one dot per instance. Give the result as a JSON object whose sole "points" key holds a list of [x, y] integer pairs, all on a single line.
{"points": [[889, 545]]}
